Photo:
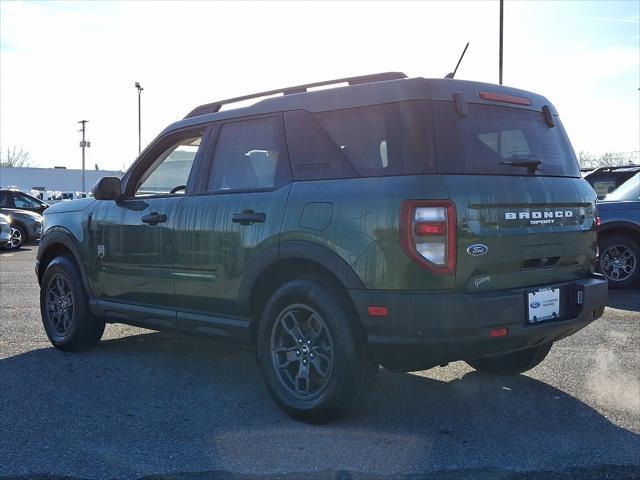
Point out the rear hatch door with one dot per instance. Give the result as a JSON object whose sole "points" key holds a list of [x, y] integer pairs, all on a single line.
{"points": [[525, 217]]}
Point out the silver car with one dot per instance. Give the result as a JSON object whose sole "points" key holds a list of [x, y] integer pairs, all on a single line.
{"points": [[5, 230], [25, 227]]}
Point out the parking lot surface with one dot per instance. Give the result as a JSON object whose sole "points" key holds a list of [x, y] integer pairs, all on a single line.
{"points": [[157, 405]]}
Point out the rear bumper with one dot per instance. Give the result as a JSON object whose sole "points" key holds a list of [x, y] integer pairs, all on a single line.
{"points": [[426, 329]]}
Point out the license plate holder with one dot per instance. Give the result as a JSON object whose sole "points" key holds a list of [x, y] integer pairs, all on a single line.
{"points": [[543, 304]]}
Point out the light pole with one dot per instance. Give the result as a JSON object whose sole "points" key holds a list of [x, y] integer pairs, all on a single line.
{"points": [[501, 35], [83, 144], [139, 118]]}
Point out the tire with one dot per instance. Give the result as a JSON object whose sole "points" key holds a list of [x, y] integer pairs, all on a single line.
{"points": [[619, 261], [64, 307], [512, 363], [323, 373], [18, 238]]}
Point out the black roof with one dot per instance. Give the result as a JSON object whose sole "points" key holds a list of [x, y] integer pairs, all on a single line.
{"points": [[361, 91]]}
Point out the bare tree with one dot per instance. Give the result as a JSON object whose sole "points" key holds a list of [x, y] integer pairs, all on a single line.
{"points": [[608, 159], [16, 158]]}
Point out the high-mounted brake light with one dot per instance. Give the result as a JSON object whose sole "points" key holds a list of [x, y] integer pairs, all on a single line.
{"points": [[500, 97], [428, 233]]}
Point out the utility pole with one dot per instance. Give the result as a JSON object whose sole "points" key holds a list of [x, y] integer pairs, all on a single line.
{"points": [[139, 118], [83, 144], [501, 35]]}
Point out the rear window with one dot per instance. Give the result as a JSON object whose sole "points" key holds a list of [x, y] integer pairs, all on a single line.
{"points": [[491, 137]]}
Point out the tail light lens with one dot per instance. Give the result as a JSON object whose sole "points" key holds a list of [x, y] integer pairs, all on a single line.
{"points": [[428, 234]]}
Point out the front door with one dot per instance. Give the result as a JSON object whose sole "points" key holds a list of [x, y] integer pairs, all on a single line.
{"points": [[134, 239]]}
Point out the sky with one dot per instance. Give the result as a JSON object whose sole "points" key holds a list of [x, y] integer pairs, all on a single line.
{"points": [[61, 62]]}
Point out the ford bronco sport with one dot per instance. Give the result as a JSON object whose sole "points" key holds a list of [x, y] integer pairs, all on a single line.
{"points": [[393, 221]]}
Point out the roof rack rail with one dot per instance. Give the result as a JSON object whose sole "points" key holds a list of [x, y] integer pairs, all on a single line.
{"points": [[376, 77]]}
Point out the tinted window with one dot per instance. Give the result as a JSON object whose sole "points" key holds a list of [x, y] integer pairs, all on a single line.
{"points": [[171, 170], [249, 155], [387, 139], [490, 136], [5, 200]]}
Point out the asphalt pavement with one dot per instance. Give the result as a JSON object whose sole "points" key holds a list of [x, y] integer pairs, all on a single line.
{"points": [[156, 405]]}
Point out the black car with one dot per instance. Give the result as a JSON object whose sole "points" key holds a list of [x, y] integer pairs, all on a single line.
{"points": [[21, 201], [619, 235], [605, 180]]}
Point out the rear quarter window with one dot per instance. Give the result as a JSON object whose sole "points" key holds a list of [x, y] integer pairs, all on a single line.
{"points": [[490, 136], [377, 140]]}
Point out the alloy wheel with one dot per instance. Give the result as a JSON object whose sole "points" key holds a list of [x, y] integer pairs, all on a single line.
{"points": [[302, 351], [59, 305], [618, 262], [15, 241]]}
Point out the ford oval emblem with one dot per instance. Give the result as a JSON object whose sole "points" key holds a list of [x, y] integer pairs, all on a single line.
{"points": [[477, 249], [534, 304]]}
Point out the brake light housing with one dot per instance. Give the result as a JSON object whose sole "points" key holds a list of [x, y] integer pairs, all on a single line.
{"points": [[428, 234], [501, 97]]}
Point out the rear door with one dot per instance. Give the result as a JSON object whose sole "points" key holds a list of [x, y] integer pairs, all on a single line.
{"points": [[525, 217], [234, 216]]}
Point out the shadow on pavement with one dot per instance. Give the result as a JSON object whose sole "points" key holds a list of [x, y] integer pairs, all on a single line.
{"points": [[161, 404], [628, 299]]}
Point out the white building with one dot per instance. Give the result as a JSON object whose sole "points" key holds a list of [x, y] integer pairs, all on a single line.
{"points": [[51, 179]]}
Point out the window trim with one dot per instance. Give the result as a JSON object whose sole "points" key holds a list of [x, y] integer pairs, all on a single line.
{"points": [[201, 184], [159, 146]]}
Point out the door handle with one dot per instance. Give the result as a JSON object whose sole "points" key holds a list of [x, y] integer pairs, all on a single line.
{"points": [[248, 217], [154, 218]]}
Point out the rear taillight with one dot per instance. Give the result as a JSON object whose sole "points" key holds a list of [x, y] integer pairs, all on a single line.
{"points": [[428, 233]]}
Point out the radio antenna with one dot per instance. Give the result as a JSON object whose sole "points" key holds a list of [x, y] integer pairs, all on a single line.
{"points": [[453, 74]]}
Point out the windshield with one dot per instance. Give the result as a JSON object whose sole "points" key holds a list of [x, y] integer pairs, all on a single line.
{"points": [[501, 141], [628, 191]]}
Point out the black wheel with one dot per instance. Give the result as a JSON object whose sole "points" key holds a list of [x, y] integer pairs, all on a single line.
{"points": [[18, 237], [513, 362], [618, 261], [64, 307], [312, 358]]}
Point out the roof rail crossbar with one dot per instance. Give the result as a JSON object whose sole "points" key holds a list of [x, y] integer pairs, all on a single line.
{"points": [[376, 77]]}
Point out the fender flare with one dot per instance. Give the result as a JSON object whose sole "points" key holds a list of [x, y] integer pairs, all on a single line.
{"points": [[62, 236], [303, 250]]}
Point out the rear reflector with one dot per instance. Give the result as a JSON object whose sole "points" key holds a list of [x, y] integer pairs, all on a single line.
{"points": [[375, 311], [499, 332], [499, 97]]}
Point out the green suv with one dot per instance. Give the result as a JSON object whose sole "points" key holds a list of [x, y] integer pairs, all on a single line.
{"points": [[387, 221]]}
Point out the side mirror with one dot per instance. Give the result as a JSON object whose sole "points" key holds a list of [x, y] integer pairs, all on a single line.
{"points": [[107, 188]]}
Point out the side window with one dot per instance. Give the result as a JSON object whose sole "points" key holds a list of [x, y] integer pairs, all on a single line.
{"points": [[314, 156], [170, 172], [377, 140], [249, 155], [22, 201]]}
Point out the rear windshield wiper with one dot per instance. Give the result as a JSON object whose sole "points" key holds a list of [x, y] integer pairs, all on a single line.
{"points": [[531, 164]]}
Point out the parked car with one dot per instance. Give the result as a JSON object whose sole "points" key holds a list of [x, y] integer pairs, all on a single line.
{"points": [[22, 201], [619, 235], [25, 227], [605, 180], [403, 222], [5, 230]]}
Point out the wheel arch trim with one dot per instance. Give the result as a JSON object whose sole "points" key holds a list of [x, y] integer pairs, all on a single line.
{"points": [[61, 236], [302, 250]]}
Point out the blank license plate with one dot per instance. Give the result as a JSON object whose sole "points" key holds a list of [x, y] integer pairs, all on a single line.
{"points": [[544, 305]]}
